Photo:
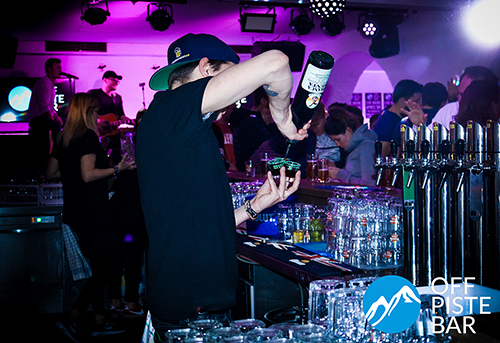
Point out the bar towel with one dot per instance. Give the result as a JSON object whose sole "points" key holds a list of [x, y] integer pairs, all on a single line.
{"points": [[77, 262]]}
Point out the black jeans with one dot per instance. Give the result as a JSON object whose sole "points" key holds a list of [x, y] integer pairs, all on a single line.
{"points": [[161, 327]]}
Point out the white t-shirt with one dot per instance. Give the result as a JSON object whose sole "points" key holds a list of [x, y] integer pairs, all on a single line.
{"points": [[446, 114]]}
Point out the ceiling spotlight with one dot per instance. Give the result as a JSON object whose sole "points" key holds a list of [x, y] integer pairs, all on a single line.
{"points": [[327, 8], [258, 22], [94, 15], [368, 26], [333, 25], [160, 19], [301, 24]]}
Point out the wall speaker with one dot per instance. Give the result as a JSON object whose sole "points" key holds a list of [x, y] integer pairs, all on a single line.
{"points": [[294, 50], [8, 45], [386, 44]]}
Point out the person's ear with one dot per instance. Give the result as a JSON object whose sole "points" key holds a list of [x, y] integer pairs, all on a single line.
{"points": [[204, 67]]}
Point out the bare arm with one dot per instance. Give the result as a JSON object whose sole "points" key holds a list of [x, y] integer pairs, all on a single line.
{"points": [[52, 171], [91, 173], [268, 195], [269, 69]]}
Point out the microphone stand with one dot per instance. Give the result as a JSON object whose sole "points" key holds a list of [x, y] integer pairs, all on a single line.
{"points": [[142, 84]]}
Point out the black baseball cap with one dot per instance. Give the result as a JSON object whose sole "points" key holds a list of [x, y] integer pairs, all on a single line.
{"points": [[111, 75], [190, 48]]}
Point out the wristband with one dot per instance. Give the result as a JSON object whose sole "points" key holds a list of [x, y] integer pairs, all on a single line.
{"points": [[117, 170], [249, 210]]}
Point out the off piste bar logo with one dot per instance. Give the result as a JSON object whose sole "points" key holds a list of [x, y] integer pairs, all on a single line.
{"points": [[391, 304]]}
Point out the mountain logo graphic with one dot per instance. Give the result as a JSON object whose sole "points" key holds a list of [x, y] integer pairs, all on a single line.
{"points": [[391, 304], [19, 98]]}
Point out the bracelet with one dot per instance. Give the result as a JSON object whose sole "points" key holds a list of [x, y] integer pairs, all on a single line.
{"points": [[249, 210], [117, 170]]}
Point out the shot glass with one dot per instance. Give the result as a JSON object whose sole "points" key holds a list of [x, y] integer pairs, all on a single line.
{"points": [[203, 325], [263, 334], [217, 335], [246, 325], [180, 335]]}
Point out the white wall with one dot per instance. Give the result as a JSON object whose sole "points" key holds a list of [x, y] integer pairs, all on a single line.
{"points": [[433, 48]]}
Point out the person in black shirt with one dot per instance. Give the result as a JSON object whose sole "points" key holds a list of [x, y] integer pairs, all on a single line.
{"points": [[186, 199], [81, 163]]}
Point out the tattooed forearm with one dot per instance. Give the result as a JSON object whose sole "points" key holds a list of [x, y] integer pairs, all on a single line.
{"points": [[270, 92]]}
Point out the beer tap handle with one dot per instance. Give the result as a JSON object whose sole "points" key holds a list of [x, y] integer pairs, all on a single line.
{"points": [[426, 178], [378, 149], [378, 164], [460, 182], [410, 148], [445, 149], [394, 177], [460, 148], [443, 180], [379, 176], [394, 149], [410, 178], [424, 148]]}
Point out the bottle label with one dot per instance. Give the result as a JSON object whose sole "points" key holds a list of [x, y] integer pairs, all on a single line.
{"points": [[314, 82]]}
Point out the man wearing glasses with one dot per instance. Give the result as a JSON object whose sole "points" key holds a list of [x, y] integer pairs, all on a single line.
{"points": [[111, 112]]}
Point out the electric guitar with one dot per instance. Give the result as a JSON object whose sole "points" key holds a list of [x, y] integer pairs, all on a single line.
{"points": [[108, 124]]}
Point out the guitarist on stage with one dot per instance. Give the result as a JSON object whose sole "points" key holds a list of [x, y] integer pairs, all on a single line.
{"points": [[111, 113]]}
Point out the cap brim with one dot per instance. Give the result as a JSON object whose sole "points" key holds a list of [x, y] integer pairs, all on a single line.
{"points": [[159, 80]]}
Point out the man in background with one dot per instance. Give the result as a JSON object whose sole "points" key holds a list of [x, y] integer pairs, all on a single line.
{"points": [[390, 118], [42, 115], [111, 113]]}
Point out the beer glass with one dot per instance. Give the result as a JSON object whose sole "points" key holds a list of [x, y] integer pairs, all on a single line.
{"points": [[322, 175], [312, 167]]}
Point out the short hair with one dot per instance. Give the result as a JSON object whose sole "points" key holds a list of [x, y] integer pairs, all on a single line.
{"points": [[339, 120], [182, 74], [405, 89], [50, 63], [433, 94], [259, 94], [479, 73]]}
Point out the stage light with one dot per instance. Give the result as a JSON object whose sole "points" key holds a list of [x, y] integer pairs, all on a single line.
{"points": [[333, 25], [258, 22], [94, 15], [480, 22], [327, 8], [160, 19], [301, 24], [368, 26]]}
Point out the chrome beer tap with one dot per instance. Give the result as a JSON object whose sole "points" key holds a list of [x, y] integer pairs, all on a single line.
{"points": [[394, 164], [379, 161], [461, 166], [410, 163], [445, 165], [425, 161]]}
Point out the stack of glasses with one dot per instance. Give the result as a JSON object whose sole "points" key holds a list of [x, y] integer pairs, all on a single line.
{"points": [[301, 223], [365, 230], [241, 190], [337, 306]]}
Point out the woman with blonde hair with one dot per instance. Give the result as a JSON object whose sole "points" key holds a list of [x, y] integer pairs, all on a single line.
{"points": [[83, 167]]}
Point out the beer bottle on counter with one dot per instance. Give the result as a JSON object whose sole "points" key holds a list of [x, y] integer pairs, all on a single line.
{"points": [[311, 87]]}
